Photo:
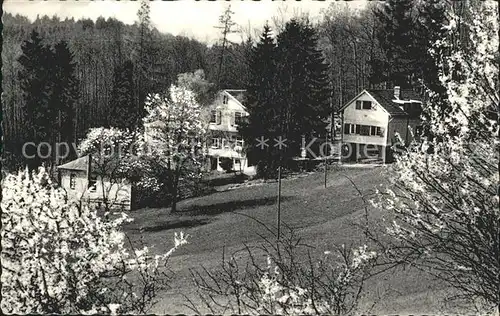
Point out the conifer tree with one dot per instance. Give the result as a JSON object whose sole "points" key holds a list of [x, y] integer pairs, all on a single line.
{"points": [[302, 84], [35, 85], [395, 32], [123, 113], [262, 122], [143, 59], [65, 95], [430, 29]]}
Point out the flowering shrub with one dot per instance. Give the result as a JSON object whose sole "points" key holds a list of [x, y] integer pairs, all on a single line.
{"points": [[278, 296], [285, 284], [60, 257], [444, 204]]}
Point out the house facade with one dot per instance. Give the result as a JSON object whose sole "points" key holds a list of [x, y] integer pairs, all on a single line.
{"points": [[371, 121], [224, 141], [81, 182]]}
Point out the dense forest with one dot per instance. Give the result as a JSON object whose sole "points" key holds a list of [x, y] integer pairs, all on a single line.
{"points": [[102, 51], [114, 65]]}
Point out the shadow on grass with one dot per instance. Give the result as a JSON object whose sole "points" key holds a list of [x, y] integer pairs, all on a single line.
{"points": [[226, 179], [176, 223], [224, 207]]}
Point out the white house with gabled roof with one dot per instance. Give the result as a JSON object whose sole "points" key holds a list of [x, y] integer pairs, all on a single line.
{"points": [[82, 182], [371, 120], [224, 141]]}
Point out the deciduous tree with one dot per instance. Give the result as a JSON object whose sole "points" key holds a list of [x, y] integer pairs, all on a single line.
{"points": [[174, 131], [444, 207]]}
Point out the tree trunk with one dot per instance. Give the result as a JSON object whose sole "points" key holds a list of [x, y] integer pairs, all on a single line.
{"points": [[175, 187]]}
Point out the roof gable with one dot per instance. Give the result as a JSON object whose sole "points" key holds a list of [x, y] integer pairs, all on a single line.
{"points": [[80, 164], [358, 96], [237, 95], [385, 98]]}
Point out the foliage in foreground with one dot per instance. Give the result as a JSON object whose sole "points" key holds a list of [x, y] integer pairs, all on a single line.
{"points": [[284, 277], [61, 257], [445, 206]]}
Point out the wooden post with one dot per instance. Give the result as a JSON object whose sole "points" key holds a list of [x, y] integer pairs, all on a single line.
{"points": [[326, 161], [279, 201], [329, 132]]}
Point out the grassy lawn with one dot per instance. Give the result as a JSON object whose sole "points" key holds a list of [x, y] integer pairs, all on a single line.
{"points": [[323, 218]]}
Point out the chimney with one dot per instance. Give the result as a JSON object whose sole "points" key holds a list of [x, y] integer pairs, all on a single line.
{"points": [[397, 91]]}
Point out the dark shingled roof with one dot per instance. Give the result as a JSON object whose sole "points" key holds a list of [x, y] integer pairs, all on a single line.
{"points": [[81, 164], [385, 97], [77, 164]]}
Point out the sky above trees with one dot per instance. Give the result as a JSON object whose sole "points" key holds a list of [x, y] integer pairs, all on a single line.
{"points": [[190, 18]]}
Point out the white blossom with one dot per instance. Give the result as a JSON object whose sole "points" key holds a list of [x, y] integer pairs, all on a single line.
{"points": [[55, 253]]}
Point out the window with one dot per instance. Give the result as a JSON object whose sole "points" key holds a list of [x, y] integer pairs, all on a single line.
{"points": [[215, 142], [72, 181], [225, 99], [347, 128], [364, 130], [238, 118], [358, 105], [239, 141], [367, 105], [93, 183], [213, 116], [226, 143]]}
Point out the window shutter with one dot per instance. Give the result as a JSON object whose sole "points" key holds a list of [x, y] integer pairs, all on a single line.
{"points": [[358, 105], [358, 129]]}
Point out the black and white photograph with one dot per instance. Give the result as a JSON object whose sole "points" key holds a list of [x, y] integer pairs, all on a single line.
{"points": [[250, 157]]}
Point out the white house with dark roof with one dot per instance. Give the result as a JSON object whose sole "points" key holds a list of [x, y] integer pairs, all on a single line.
{"points": [[372, 119], [224, 141], [82, 182]]}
